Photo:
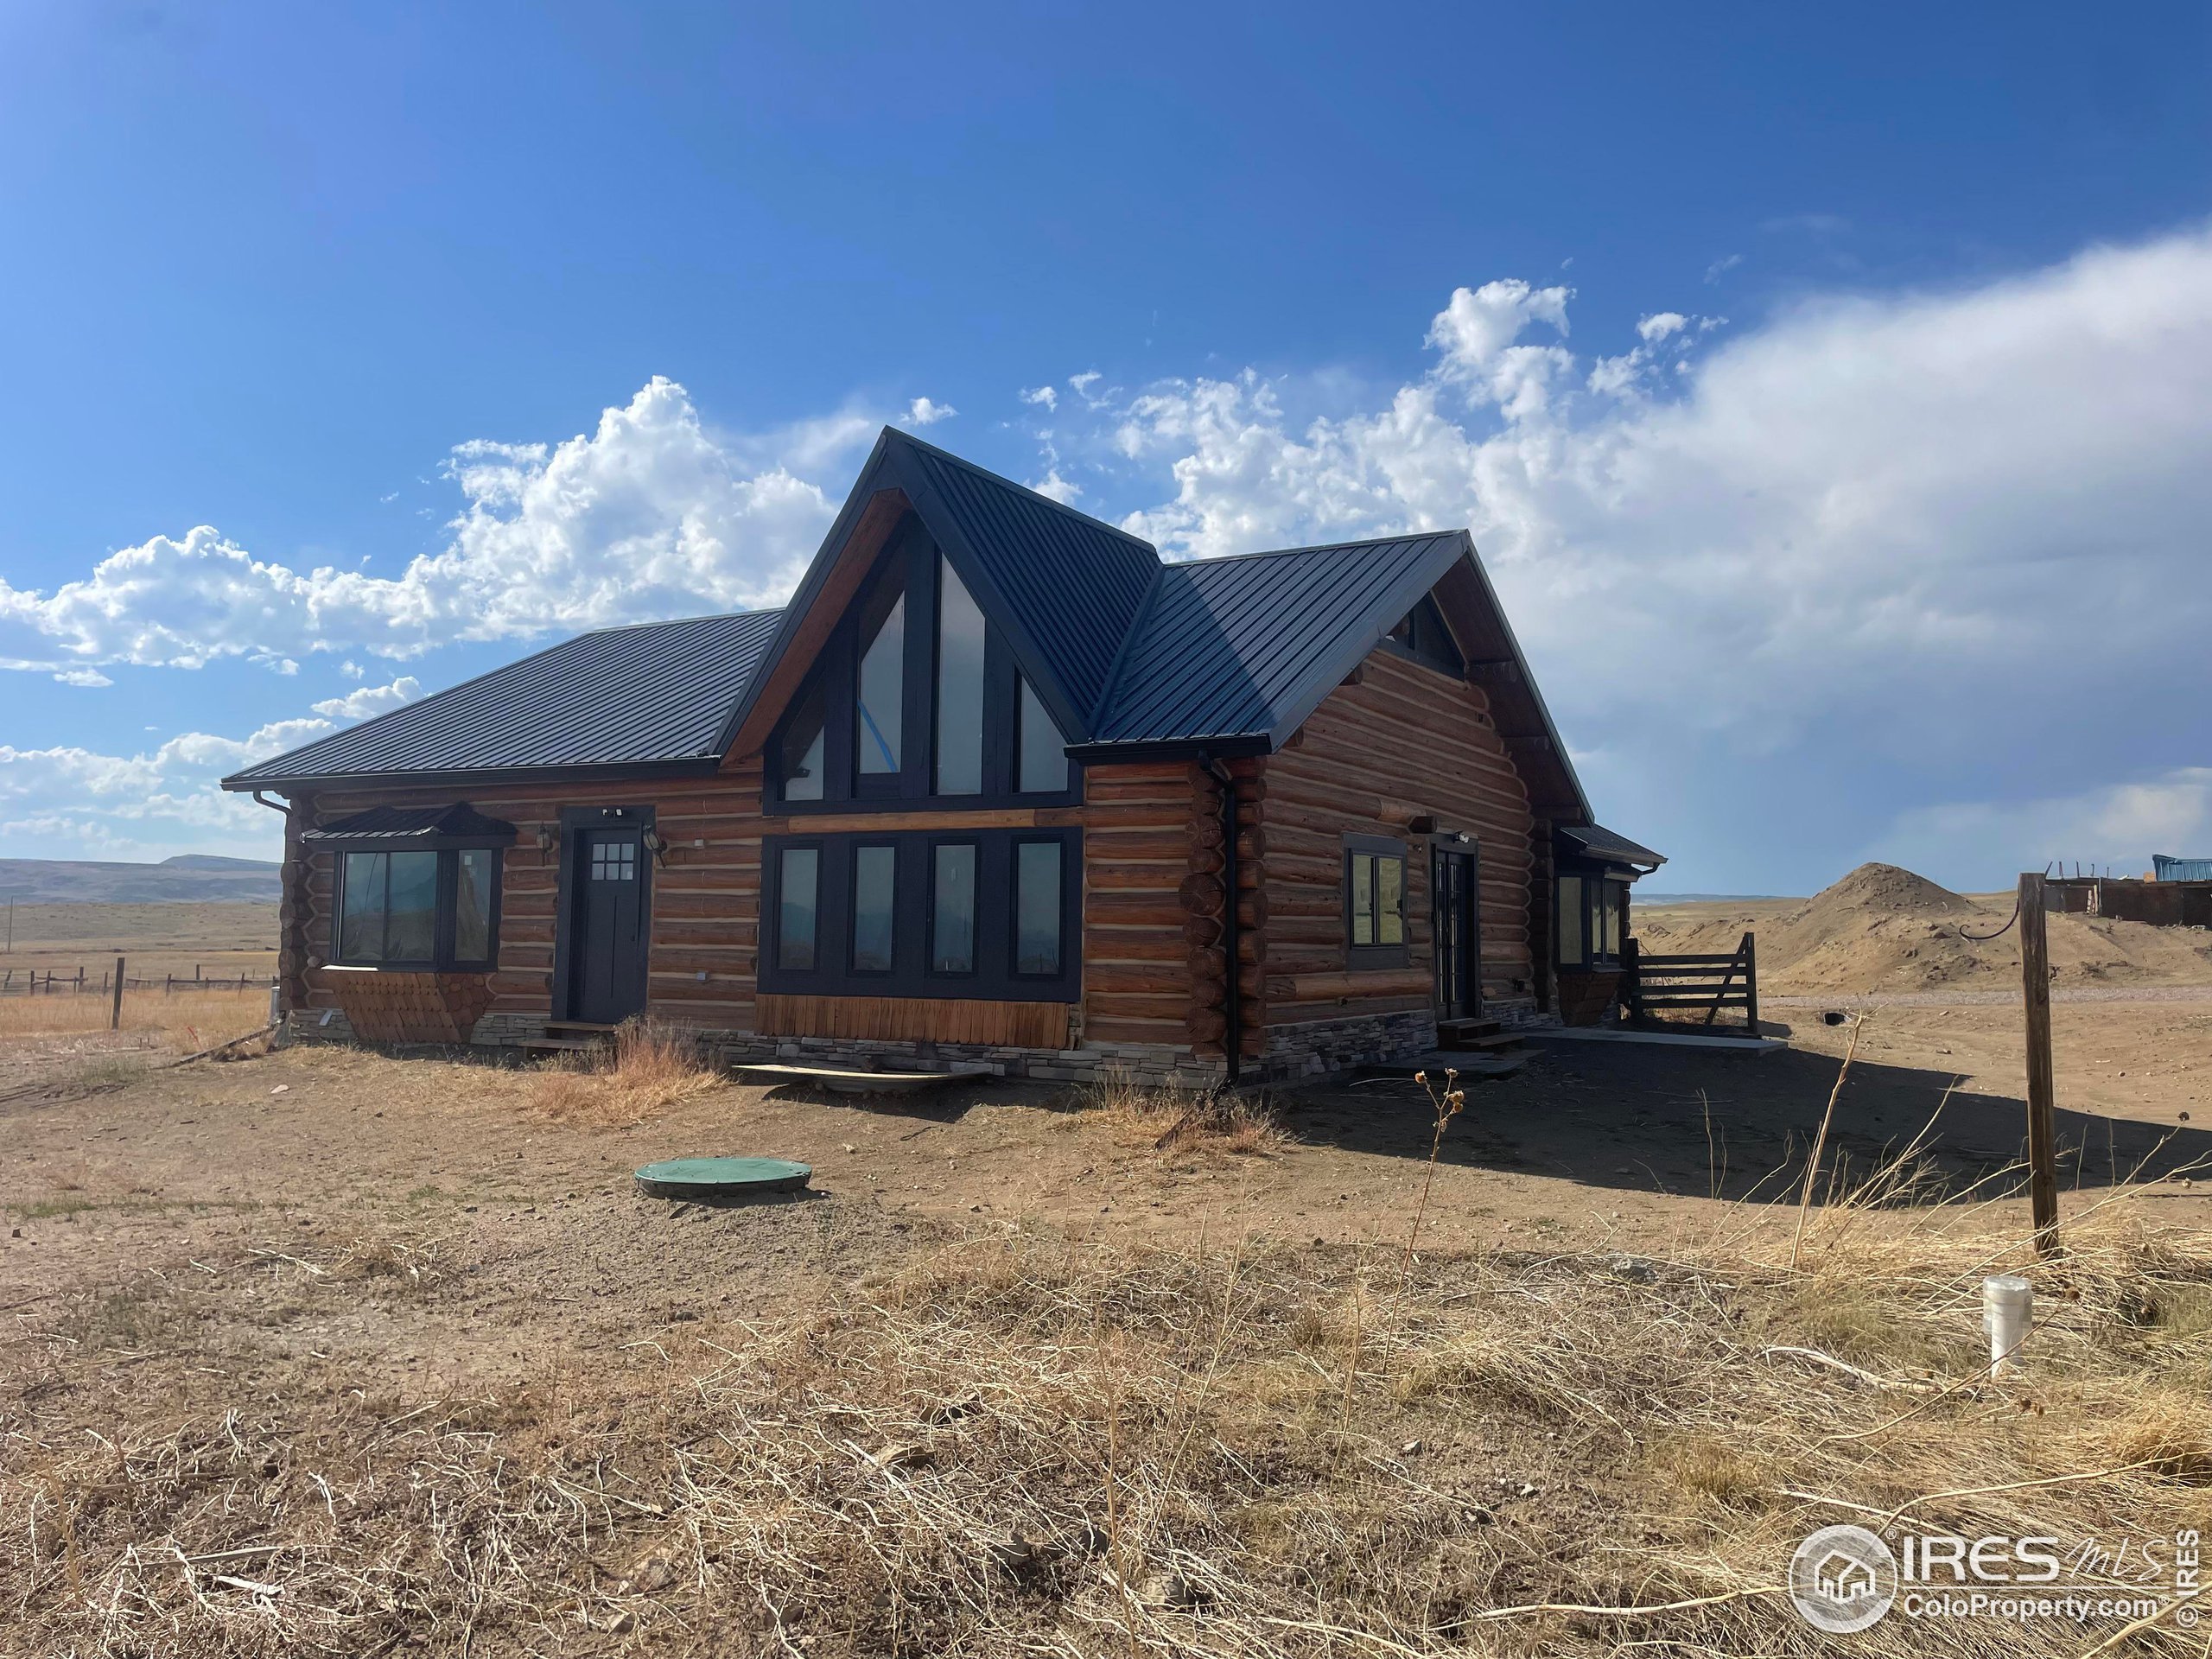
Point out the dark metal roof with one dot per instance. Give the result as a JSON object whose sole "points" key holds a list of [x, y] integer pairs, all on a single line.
{"points": [[1247, 647], [1071, 584], [1594, 842], [658, 692], [424, 825]]}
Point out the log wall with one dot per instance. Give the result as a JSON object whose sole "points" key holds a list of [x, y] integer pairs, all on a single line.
{"points": [[1396, 742], [705, 899]]}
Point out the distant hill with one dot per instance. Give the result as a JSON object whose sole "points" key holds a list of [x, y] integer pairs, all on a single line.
{"points": [[189, 878]]}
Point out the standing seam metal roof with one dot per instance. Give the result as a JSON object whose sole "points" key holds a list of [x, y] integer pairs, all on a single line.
{"points": [[1074, 584], [658, 691], [1228, 647]]}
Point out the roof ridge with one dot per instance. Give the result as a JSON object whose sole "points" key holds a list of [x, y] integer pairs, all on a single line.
{"points": [[1316, 547], [663, 622], [967, 465]]}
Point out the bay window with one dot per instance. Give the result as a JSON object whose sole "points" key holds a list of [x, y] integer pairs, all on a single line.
{"points": [[427, 910], [1593, 920]]}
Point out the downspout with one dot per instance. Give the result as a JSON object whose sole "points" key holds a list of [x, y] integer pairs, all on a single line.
{"points": [[1232, 1001], [287, 944]]}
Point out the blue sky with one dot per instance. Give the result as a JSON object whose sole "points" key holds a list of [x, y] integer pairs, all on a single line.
{"points": [[1828, 392]]}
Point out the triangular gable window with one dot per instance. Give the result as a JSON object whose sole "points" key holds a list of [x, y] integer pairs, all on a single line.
{"points": [[915, 699]]}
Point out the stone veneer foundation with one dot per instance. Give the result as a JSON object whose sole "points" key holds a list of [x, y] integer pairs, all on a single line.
{"points": [[1294, 1053]]}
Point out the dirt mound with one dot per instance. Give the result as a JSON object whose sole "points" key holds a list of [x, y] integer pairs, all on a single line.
{"points": [[1884, 929], [1889, 890]]}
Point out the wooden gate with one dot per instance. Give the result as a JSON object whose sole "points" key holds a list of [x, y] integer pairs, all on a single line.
{"points": [[1658, 991]]}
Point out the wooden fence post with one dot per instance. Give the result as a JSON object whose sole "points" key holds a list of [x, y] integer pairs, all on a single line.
{"points": [[2042, 1129], [115, 1011]]}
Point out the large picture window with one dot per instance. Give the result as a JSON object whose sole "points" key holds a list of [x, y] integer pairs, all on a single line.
{"points": [[916, 700], [426, 910], [988, 914], [1375, 902]]}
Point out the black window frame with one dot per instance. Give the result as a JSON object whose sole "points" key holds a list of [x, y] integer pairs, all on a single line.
{"points": [[909, 568], [444, 919], [993, 978], [1422, 636], [1600, 884], [1377, 847], [952, 975], [1028, 838]]}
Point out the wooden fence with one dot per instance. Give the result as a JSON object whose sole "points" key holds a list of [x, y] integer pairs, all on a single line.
{"points": [[31, 982], [1657, 991]]}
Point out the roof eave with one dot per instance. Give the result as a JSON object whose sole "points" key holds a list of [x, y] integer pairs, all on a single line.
{"points": [[693, 766]]}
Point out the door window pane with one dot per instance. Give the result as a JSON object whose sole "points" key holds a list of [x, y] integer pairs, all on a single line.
{"points": [[411, 913], [874, 876], [1036, 907], [1362, 898], [1041, 761], [952, 912], [1390, 901], [360, 935], [798, 879], [882, 687], [1570, 952], [801, 760], [959, 687], [471, 904]]}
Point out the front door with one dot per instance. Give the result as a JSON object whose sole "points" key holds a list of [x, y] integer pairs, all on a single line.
{"points": [[1459, 956], [606, 956]]}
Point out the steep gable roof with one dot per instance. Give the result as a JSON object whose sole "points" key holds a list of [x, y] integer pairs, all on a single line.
{"points": [[1062, 587], [1070, 582], [1245, 648], [654, 694]]}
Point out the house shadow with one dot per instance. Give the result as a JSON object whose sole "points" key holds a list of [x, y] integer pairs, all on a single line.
{"points": [[1736, 1126]]}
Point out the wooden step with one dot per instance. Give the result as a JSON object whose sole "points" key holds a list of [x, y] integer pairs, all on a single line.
{"points": [[563, 1045], [1462, 1035], [574, 1027]]}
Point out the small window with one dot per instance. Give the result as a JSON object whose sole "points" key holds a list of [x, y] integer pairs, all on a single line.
{"points": [[801, 767], [614, 860], [882, 689], [1375, 903], [429, 910], [1040, 752], [875, 871], [1573, 931], [471, 904], [798, 886], [959, 686], [952, 909], [1036, 907]]}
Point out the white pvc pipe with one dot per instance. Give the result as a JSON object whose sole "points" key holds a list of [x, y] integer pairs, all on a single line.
{"points": [[2007, 1309]]}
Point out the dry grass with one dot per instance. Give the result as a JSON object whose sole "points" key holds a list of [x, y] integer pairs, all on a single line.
{"points": [[189, 1020], [1010, 1445], [1178, 1120], [649, 1067]]}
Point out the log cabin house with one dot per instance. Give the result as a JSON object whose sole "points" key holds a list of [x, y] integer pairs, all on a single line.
{"points": [[998, 785]]}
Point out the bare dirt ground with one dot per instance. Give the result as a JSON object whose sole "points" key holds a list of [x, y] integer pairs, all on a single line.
{"points": [[329, 1350]]}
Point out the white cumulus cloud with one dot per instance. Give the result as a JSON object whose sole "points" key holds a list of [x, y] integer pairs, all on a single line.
{"points": [[647, 515]]}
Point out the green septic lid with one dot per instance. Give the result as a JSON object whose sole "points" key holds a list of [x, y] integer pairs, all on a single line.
{"points": [[712, 1180]]}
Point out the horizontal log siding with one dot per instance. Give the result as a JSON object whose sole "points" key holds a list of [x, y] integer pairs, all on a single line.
{"points": [[1136, 984], [1404, 741], [705, 899]]}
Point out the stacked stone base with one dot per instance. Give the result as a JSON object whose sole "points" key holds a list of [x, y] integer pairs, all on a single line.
{"points": [[1293, 1054]]}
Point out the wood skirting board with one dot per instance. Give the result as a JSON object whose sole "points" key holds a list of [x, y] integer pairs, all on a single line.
{"points": [[915, 1019], [394, 1007]]}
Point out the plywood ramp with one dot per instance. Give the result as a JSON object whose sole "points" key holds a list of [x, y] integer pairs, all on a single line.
{"points": [[916, 1019]]}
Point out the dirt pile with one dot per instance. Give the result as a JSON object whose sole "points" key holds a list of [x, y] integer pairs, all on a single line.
{"points": [[1884, 929]]}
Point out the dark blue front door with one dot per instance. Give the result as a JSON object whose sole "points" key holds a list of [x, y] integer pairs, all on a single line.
{"points": [[607, 956]]}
